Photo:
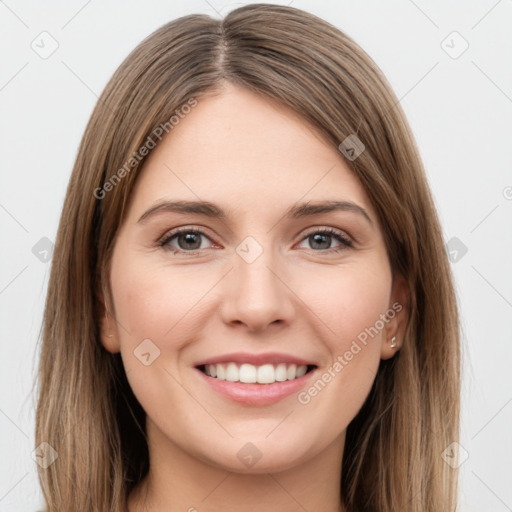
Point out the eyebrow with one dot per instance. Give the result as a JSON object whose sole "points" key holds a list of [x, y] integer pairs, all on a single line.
{"points": [[296, 211]]}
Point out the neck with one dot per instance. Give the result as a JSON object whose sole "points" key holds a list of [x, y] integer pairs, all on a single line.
{"points": [[179, 481]]}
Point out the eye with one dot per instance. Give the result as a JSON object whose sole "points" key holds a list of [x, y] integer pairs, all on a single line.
{"points": [[188, 240], [321, 239]]}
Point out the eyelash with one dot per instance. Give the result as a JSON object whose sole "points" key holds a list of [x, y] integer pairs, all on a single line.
{"points": [[345, 242]]}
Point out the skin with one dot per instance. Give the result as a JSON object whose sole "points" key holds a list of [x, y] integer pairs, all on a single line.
{"points": [[254, 158]]}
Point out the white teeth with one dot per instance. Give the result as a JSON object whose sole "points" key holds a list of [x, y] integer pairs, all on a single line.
{"points": [[232, 373], [281, 373], [301, 370], [248, 373], [266, 374], [212, 370]]}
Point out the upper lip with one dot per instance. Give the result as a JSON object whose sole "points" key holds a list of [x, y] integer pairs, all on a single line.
{"points": [[256, 359]]}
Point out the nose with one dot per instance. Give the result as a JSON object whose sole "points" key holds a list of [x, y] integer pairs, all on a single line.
{"points": [[256, 294]]}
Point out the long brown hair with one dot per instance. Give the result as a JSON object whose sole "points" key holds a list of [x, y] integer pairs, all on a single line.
{"points": [[86, 410]]}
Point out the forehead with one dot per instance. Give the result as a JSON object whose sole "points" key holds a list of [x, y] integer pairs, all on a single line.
{"points": [[238, 149]]}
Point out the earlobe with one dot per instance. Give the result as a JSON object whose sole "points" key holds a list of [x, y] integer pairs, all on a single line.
{"points": [[108, 327], [390, 347], [109, 336], [398, 314]]}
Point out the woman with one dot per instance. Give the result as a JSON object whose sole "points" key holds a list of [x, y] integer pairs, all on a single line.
{"points": [[200, 350]]}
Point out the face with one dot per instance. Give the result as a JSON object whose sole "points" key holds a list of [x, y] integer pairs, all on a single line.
{"points": [[267, 285]]}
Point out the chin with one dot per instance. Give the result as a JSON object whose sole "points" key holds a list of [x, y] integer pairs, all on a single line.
{"points": [[256, 457]]}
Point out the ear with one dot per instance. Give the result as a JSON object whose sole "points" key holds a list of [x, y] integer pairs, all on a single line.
{"points": [[109, 333], [397, 315]]}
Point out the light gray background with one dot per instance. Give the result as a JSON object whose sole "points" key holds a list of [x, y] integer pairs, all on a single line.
{"points": [[460, 112]]}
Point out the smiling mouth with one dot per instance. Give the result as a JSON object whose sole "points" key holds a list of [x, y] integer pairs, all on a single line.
{"points": [[252, 374]]}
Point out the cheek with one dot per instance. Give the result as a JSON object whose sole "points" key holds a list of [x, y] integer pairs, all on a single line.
{"points": [[153, 302], [348, 301], [161, 305], [333, 306], [167, 304], [350, 304]]}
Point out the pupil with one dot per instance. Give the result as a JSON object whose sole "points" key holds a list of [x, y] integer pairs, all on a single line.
{"points": [[318, 237], [190, 238], [193, 238]]}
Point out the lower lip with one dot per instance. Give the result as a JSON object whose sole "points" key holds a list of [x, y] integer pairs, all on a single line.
{"points": [[257, 394]]}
